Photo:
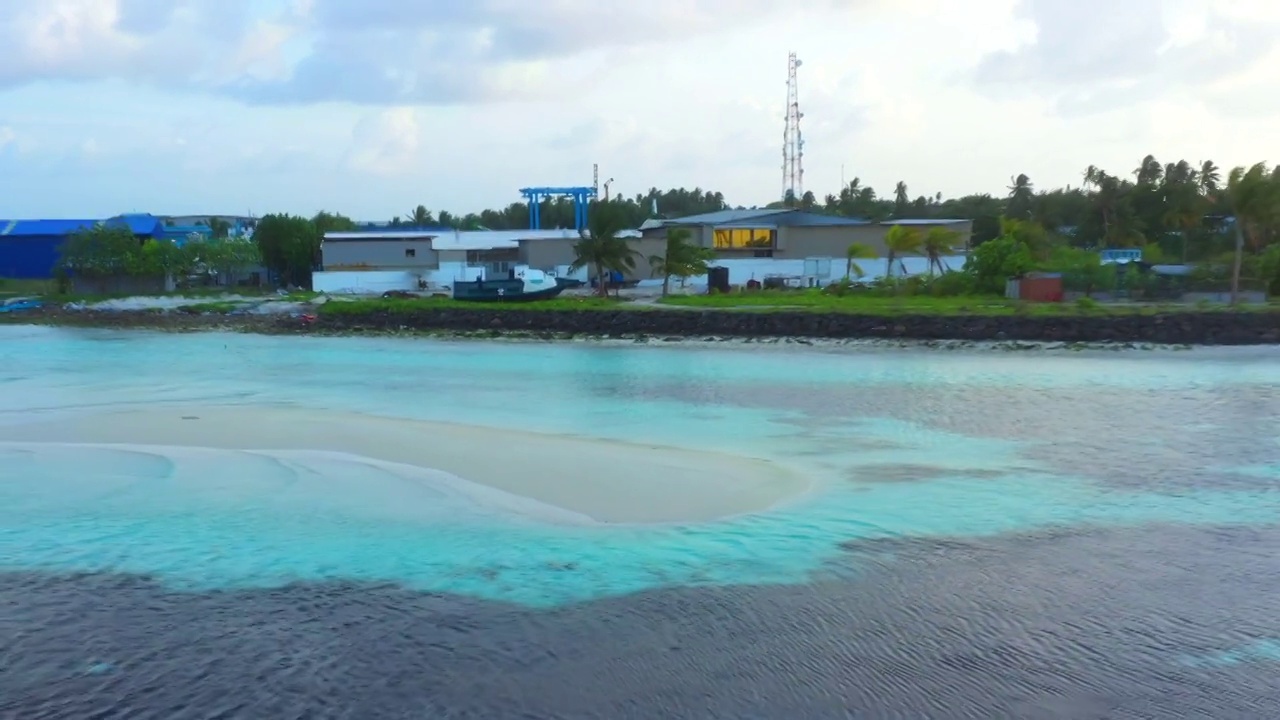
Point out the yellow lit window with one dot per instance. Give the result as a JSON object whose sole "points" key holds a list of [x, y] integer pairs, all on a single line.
{"points": [[743, 239]]}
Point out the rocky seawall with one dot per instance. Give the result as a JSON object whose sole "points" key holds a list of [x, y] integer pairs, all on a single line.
{"points": [[1189, 328]]}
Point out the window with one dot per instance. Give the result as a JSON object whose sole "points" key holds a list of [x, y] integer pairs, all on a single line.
{"points": [[745, 239], [410, 252]]}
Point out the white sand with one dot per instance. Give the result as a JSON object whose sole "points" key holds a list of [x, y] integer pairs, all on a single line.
{"points": [[608, 481]]}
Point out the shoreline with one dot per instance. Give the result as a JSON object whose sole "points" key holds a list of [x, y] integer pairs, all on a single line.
{"points": [[1180, 330], [606, 481]]}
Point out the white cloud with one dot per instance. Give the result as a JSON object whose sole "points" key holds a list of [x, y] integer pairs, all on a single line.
{"points": [[372, 106], [386, 143]]}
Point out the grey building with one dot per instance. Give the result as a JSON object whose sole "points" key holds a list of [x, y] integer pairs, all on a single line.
{"points": [[406, 250], [788, 234], [497, 251]]}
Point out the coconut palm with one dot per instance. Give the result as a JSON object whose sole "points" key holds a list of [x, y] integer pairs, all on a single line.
{"points": [[681, 258], [900, 240], [901, 200], [1246, 190], [855, 252], [938, 243], [1021, 193], [600, 246], [421, 217], [1210, 177]]}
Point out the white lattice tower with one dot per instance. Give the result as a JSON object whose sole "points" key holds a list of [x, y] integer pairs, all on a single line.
{"points": [[792, 139]]}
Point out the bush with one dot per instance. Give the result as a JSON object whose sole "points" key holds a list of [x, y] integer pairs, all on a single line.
{"points": [[952, 284]]}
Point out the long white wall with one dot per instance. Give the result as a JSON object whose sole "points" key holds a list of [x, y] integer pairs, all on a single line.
{"points": [[741, 271]]}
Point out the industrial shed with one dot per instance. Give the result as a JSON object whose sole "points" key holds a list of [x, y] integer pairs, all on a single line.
{"points": [[788, 234], [29, 248]]}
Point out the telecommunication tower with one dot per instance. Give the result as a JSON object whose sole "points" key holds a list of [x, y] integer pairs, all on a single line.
{"points": [[792, 140]]}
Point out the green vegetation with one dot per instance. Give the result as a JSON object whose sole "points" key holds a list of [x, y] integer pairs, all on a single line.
{"points": [[105, 252], [10, 287], [290, 246], [680, 259], [854, 253], [889, 305], [223, 307], [600, 247], [366, 306]]}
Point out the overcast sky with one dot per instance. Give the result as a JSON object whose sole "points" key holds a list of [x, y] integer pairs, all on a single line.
{"points": [[370, 107]]}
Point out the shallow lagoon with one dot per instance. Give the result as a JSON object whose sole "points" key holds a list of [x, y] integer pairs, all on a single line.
{"points": [[973, 464]]}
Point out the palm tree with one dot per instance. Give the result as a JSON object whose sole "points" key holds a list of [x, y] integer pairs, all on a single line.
{"points": [[1210, 177], [1021, 192], [421, 217], [1184, 212], [600, 248], [856, 251], [937, 243], [900, 198], [1149, 172], [900, 240], [1245, 189], [681, 258]]}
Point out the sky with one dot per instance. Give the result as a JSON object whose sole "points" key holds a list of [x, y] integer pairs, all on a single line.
{"points": [[371, 107]]}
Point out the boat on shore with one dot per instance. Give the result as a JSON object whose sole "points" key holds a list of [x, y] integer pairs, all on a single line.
{"points": [[522, 286]]}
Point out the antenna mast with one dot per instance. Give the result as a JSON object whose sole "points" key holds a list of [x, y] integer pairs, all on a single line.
{"points": [[792, 140]]}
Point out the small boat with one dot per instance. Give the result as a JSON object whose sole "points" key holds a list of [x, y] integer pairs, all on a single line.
{"points": [[524, 286]]}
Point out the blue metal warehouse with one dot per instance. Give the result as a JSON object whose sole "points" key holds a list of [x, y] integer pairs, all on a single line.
{"points": [[29, 248]]}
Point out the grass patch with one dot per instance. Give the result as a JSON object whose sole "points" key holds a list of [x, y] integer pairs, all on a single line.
{"points": [[212, 308], [880, 305], [366, 306], [25, 288]]}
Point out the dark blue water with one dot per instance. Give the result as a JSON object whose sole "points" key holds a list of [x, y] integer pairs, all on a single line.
{"points": [[1071, 624]]}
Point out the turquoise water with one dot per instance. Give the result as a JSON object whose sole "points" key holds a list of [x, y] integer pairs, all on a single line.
{"points": [[901, 444]]}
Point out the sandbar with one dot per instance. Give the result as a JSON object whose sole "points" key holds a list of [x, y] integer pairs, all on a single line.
{"points": [[607, 481]]}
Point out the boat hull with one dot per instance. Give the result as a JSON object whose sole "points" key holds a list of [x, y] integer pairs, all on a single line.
{"points": [[502, 294]]}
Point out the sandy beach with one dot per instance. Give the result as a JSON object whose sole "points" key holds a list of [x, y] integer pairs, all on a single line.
{"points": [[612, 482]]}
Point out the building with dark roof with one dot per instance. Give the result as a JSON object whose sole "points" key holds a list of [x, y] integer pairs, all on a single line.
{"points": [[786, 233]]}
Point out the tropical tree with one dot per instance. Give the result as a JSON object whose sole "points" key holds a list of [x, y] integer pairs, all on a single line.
{"points": [[601, 247], [1210, 177], [900, 240], [290, 247], [101, 251], [855, 252], [1248, 193], [1021, 195], [901, 200], [421, 217], [681, 258], [938, 243], [226, 257], [218, 227], [327, 222], [1185, 207]]}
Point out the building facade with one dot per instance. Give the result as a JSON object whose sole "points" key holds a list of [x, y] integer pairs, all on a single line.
{"points": [[786, 234], [29, 249], [410, 258]]}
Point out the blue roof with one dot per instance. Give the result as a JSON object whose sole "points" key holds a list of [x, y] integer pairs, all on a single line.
{"points": [[925, 221], [43, 228], [138, 224]]}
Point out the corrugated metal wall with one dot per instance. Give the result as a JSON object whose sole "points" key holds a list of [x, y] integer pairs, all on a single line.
{"points": [[27, 257]]}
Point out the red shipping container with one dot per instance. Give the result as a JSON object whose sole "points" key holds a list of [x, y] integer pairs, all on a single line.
{"points": [[1040, 287]]}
